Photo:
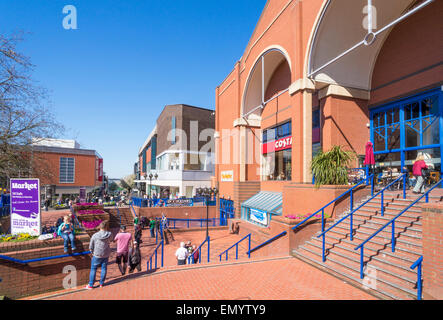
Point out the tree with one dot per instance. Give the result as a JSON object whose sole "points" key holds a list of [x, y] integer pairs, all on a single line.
{"points": [[127, 183], [24, 115], [113, 187]]}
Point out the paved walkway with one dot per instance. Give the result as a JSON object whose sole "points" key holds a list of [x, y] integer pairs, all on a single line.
{"points": [[282, 279]]}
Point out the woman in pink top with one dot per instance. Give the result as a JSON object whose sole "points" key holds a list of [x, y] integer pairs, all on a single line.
{"points": [[419, 164], [123, 239]]}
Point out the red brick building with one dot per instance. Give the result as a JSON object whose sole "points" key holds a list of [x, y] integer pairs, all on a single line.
{"points": [[69, 168]]}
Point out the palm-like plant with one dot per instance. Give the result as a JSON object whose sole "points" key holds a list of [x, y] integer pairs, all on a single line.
{"points": [[330, 168]]}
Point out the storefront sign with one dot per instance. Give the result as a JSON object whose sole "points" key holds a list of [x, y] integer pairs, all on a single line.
{"points": [[25, 206], [100, 169], [259, 216], [227, 176], [277, 145], [82, 194], [179, 203]]}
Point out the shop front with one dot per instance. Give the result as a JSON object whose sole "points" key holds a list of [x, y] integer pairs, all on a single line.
{"points": [[407, 128]]}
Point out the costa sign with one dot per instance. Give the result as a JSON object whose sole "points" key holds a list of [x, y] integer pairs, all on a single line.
{"points": [[277, 145]]}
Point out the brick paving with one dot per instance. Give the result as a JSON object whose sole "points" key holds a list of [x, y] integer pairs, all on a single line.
{"points": [[282, 279]]}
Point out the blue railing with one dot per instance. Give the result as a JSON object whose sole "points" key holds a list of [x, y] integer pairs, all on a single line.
{"points": [[227, 210], [196, 223], [44, 258], [155, 254], [391, 222], [144, 203], [418, 264], [322, 210], [134, 215], [267, 242], [236, 248], [351, 214], [191, 257]]}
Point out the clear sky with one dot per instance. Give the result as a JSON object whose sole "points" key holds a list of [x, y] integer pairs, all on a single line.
{"points": [[110, 78]]}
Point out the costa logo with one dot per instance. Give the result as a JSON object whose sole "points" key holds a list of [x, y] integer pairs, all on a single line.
{"points": [[277, 145]]}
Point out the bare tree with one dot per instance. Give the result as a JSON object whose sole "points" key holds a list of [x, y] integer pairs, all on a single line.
{"points": [[24, 115]]}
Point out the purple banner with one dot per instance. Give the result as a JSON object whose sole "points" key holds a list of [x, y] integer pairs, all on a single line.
{"points": [[25, 206]]}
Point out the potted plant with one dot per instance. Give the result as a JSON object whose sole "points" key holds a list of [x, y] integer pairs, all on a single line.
{"points": [[331, 167]]}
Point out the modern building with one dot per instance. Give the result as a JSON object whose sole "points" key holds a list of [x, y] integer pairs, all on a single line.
{"points": [[178, 155], [67, 167], [321, 73]]}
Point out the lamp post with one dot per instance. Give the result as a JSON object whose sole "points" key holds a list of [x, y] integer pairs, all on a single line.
{"points": [[155, 176], [206, 193]]}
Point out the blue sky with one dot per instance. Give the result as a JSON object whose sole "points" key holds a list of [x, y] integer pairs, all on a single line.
{"points": [[110, 78]]}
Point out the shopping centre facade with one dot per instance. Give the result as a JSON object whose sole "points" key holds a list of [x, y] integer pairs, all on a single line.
{"points": [[321, 73]]}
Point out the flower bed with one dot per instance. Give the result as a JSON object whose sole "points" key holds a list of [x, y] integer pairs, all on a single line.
{"points": [[91, 224], [90, 211], [90, 215], [17, 238]]}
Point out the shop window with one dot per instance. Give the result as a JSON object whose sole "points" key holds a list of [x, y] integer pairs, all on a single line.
{"points": [[278, 165], [67, 170], [432, 158]]}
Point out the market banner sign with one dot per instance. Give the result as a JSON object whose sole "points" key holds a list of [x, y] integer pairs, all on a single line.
{"points": [[277, 145], [179, 203], [25, 206], [100, 169], [259, 216], [227, 176]]}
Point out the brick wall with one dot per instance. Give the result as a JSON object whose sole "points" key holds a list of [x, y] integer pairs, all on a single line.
{"points": [[39, 277], [432, 215]]}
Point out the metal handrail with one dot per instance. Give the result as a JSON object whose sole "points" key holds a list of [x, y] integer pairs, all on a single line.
{"points": [[119, 216], [236, 248], [149, 262], [351, 191], [418, 264], [44, 258], [208, 240], [268, 241], [392, 221], [133, 210], [213, 220]]}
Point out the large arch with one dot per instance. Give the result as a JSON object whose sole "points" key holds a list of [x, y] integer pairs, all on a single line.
{"points": [[258, 88], [340, 27]]}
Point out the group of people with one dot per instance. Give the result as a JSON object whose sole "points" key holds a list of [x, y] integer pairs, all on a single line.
{"points": [[185, 251], [128, 252]]}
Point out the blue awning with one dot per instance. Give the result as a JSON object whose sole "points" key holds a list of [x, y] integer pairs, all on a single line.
{"points": [[270, 202]]}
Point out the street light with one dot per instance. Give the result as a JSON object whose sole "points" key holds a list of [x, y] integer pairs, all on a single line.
{"points": [[207, 192], [155, 176]]}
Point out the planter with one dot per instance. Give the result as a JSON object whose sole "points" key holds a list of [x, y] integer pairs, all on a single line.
{"points": [[89, 206], [90, 221]]}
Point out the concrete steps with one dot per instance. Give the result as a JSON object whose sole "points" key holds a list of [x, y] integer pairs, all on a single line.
{"points": [[386, 273]]}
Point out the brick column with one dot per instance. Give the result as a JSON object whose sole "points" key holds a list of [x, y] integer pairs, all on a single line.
{"points": [[432, 251]]}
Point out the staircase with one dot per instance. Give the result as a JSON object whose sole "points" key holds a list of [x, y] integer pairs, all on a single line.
{"points": [[387, 273], [127, 218]]}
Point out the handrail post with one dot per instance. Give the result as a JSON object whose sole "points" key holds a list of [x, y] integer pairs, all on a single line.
{"points": [[351, 224], [361, 263], [188, 223], [372, 185], [322, 230], [367, 175], [156, 258], [209, 248], [236, 251], [352, 199], [393, 236], [249, 245], [163, 244], [427, 197], [382, 204], [404, 186], [419, 282]]}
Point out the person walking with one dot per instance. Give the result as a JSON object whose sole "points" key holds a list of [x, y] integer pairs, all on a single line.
{"points": [[135, 258], [138, 233], [100, 250], [123, 240], [195, 255], [418, 171], [152, 227], [181, 254], [66, 231]]}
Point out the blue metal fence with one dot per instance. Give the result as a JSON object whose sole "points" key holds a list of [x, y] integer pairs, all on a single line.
{"points": [[227, 211], [144, 203], [199, 250], [418, 264], [236, 248]]}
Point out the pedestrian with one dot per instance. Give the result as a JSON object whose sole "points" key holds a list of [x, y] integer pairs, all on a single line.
{"points": [[66, 231], [195, 255], [100, 249], [123, 240], [138, 233], [152, 227], [136, 219], [418, 170], [181, 254], [135, 258]]}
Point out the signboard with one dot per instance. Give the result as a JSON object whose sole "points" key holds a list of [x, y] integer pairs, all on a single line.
{"points": [[100, 169], [25, 206], [277, 145], [82, 194], [227, 176], [259, 216], [179, 203]]}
